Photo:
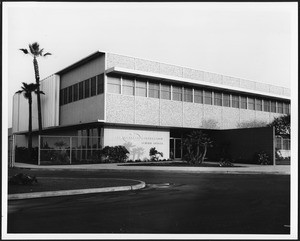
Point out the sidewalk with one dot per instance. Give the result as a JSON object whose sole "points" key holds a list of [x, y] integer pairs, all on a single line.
{"points": [[239, 169]]}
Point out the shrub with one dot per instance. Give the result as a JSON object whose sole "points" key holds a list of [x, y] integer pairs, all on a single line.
{"points": [[22, 155], [115, 153], [154, 154], [145, 159], [262, 158], [138, 160]]}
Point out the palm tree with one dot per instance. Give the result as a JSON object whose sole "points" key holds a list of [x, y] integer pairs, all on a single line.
{"points": [[27, 90], [35, 52]]}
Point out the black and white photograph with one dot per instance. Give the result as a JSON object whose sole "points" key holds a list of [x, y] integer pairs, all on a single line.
{"points": [[149, 120]]}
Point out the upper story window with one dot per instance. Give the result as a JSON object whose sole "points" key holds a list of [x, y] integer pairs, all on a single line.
{"points": [[251, 103], [235, 101], [165, 91], [100, 84], [280, 107], [141, 88], [188, 94], [61, 97], [267, 106], [273, 106], [198, 96], [177, 93], [75, 89], [70, 94], [114, 84], [128, 85], [226, 100], [80, 90], [153, 90], [258, 104], [218, 98], [87, 88], [243, 102], [207, 97], [286, 108], [93, 86]]}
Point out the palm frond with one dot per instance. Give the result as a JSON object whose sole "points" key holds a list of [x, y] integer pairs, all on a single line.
{"points": [[34, 48], [19, 91], [41, 52], [47, 54], [25, 51]]}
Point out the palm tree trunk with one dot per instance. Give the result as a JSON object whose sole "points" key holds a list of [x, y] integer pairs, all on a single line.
{"points": [[30, 128], [37, 79]]}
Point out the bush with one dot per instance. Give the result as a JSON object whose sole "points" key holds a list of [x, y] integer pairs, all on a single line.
{"points": [[22, 155], [262, 158], [115, 153], [145, 159], [154, 154], [138, 160]]}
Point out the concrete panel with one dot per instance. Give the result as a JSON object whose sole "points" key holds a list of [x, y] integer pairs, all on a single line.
{"points": [[146, 65], [276, 90], [120, 109], [170, 70], [246, 116], [192, 115], [146, 111], [262, 87], [83, 111], [212, 118], [230, 118], [286, 91], [231, 81], [262, 117], [214, 78], [83, 72], [170, 113], [138, 141], [247, 84], [193, 74], [114, 60]]}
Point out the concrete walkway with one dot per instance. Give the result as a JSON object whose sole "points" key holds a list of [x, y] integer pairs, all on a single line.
{"points": [[239, 169]]}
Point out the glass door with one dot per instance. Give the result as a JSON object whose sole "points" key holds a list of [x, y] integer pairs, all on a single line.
{"points": [[175, 148]]}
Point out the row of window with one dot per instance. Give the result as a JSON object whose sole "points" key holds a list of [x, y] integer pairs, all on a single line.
{"points": [[84, 89], [283, 143], [147, 88]]}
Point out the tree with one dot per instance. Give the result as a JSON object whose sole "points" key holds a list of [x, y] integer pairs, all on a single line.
{"points": [[27, 90], [154, 154], [195, 145], [282, 125], [35, 52]]}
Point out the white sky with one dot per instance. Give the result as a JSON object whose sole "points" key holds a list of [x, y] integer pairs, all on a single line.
{"points": [[246, 40]]}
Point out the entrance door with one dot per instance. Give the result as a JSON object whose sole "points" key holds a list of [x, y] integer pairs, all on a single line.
{"points": [[175, 148]]}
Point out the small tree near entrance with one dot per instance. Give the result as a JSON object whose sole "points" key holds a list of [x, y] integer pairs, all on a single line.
{"points": [[195, 146]]}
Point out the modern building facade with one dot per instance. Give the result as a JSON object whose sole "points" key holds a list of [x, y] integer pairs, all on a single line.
{"points": [[113, 100]]}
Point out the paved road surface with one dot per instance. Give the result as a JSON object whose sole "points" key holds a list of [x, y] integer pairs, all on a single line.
{"points": [[171, 203]]}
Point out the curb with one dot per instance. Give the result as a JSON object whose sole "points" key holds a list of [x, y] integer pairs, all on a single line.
{"points": [[76, 191]]}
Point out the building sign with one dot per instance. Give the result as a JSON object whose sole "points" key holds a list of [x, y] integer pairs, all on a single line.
{"points": [[138, 142]]}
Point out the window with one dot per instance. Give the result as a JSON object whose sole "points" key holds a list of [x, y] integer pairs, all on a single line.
{"points": [[87, 88], [286, 144], [141, 88], [267, 106], [70, 94], [244, 102], [165, 91], [100, 84], [273, 106], [128, 86], [218, 98], [93, 86], [198, 96], [75, 94], [278, 142], [208, 97], [61, 97], [65, 95], [286, 108], [188, 94], [226, 100], [177, 93], [258, 104], [153, 90], [81, 90], [114, 84], [251, 104], [235, 101], [280, 107]]}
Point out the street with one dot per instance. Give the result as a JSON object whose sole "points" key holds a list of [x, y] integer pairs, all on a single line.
{"points": [[172, 202]]}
